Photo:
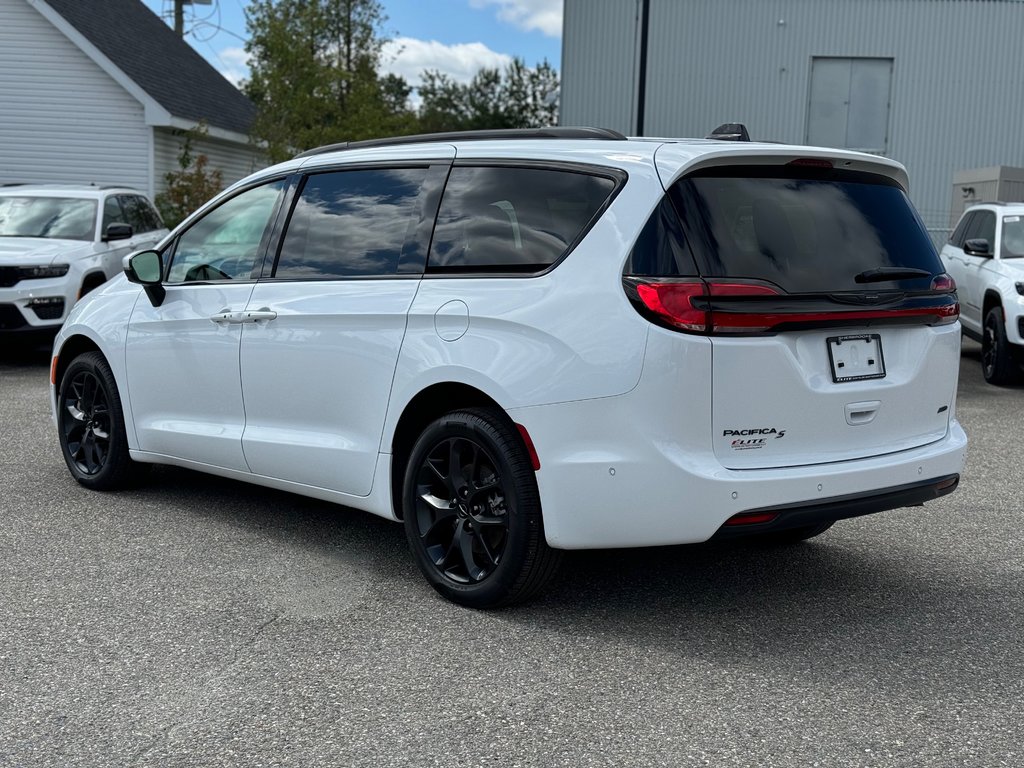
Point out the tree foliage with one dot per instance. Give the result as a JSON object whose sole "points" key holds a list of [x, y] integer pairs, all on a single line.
{"points": [[192, 184], [315, 79], [518, 97]]}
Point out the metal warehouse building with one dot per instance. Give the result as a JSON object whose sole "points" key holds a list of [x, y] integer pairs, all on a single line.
{"points": [[935, 84]]}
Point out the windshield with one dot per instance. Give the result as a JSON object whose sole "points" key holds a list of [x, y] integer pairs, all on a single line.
{"points": [[1011, 244], [66, 218]]}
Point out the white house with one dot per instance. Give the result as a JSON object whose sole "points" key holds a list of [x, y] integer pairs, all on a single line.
{"points": [[100, 92]]}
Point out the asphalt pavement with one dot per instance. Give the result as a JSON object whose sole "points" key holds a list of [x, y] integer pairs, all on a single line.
{"points": [[197, 621]]}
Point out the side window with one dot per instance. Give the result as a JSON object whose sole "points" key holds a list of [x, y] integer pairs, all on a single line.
{"points": [[660, 250], [112, 213], [144, 213], [501, 219], [129, 204], [959, 234], [351, 223], [985, 227], [225, 243]]}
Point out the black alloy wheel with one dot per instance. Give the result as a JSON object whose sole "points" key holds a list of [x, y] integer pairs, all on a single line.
{"points": [[86, 422], [472, 511], [997, 363], [461, 514], [90, 425]]}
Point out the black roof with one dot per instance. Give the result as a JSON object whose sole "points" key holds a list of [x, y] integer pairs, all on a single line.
{"points": [[162, 64]]}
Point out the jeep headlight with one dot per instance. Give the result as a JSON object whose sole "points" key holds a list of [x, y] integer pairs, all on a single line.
{"points": [[42, 270]]}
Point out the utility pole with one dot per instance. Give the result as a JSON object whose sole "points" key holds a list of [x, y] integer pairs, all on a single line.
{"points": [[179, 18]]}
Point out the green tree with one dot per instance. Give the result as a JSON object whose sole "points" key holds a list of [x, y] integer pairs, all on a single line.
{"points": [[314, 80], [516, 97], [192, 184]]}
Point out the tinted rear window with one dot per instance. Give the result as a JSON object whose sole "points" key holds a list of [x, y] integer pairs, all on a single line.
{"points": [[803, 229], [501, 219]]}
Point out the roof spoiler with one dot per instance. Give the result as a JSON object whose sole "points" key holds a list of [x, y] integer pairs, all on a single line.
{"points": [[730, 132]]}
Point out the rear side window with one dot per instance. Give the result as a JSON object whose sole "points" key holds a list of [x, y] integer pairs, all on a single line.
{"points": [[351, 224], [521, 220], [806, 230], [660, 250]]}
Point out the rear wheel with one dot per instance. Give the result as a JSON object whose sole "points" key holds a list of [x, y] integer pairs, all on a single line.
{"points": [[997, 362], [472, 511], [90, 425]]}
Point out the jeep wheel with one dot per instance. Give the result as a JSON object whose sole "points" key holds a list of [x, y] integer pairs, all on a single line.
{"points": [[997, 363]]}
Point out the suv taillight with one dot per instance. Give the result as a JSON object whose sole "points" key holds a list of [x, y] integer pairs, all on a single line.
{"points": [[729, 307]]}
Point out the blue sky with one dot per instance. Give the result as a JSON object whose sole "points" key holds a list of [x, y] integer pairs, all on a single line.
{"points": [[454, 36]]}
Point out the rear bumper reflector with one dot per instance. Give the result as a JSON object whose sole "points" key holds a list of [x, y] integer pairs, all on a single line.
{"points": [[771, 519]]}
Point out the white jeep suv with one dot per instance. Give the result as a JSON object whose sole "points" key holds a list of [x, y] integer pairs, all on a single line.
{"points": [[57, 243], [985, 255], [525, 342]]}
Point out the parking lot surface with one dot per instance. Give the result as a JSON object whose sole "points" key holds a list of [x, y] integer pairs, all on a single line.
{"points": [[198, 621]]}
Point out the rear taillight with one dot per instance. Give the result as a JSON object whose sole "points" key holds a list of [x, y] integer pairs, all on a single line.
{"points": [[731, 307], [683, 303]]}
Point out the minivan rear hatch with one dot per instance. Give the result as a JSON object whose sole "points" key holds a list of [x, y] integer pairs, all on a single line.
{"points": [[832, 323]]}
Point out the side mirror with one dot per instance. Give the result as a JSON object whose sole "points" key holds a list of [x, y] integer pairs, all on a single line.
{"points": [[117, 231], [147, 269], [978, 246]]}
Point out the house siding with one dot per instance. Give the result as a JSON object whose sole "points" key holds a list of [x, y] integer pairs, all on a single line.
{"points": [[235, 161], [955, 78], [62, 118]]}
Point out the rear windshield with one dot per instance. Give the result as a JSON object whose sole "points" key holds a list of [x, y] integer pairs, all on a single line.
{"points": [[803, 229]]}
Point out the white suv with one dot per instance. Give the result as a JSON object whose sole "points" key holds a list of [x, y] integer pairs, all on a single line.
{"points": [[57, 243], [520, 343], [985, 255]]}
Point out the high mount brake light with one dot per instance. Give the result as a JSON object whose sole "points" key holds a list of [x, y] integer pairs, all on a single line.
{"points": [[812, 162], [689, 305]]}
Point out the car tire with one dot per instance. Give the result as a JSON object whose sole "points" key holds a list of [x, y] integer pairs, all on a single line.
{"points": [[997, 361], [472, 511], [794, 535], [90, 425]]}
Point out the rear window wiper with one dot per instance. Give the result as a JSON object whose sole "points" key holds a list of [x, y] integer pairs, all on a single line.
{"points": [[881, 274]]}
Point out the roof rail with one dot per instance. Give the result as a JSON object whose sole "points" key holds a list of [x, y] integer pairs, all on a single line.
{"points": [[554, 132]]}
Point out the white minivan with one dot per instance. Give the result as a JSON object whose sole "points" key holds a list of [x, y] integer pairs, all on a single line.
{"points": [[522, 342]]}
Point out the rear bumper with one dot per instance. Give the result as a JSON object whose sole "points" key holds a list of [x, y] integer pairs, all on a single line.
{"points": [[789, 516]]}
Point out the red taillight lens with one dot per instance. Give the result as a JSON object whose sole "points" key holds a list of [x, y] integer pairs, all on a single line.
{"points": [[673, 302]]}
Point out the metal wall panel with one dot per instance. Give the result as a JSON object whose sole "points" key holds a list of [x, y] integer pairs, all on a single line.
{"points": [[62, 118], [602, 66], [956, 80]]}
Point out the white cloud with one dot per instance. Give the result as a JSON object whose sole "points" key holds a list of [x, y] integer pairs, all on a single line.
{"points": [[408, 57], [234, 64], [543, 15]]}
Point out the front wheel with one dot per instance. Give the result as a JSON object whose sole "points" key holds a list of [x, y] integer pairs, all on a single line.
{"points": [[997, 363], [472, 511], [90, 425]]}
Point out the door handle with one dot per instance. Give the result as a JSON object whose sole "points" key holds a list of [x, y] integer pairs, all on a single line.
{"points": [[258, 315], [227, 317]]}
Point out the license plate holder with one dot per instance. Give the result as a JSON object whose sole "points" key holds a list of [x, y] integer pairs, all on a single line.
{"points": [[856, 357]]}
